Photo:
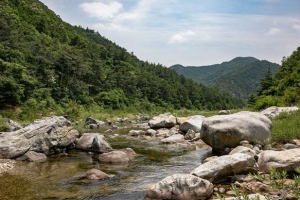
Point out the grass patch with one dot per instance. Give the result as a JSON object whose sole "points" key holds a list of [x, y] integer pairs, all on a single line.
{"points": [[286, 127]]}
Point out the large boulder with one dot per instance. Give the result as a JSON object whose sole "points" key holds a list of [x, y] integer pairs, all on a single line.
{"points": [[181, 187], [166, 120], [49, 136], [274, 111], [282, 160], [93, 142], [194, 123], [219, 169], [222, 131]]}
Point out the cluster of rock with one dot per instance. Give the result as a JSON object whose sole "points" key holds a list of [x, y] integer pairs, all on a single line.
{"points": [[54, 135], [238, 137]]}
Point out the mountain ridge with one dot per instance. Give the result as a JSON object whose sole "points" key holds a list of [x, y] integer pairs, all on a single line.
{"points": [[239, 76]]}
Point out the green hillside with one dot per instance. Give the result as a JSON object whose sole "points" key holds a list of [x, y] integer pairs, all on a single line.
{"points": [[283, 88], [239, 77], [45, 61]]}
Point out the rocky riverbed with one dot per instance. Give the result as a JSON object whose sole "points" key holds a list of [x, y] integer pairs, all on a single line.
{"points": [[163, 159]]}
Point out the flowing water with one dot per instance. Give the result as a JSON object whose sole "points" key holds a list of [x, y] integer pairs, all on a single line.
{"points": [[59, 176]]}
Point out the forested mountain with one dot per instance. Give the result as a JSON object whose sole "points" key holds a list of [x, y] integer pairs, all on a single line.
{"points": [[239, 77], [282, 88], [45, 60]]}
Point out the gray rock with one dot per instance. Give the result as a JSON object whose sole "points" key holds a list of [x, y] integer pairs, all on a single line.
{"points": [[245, 150], [173, 139], [219, 169], [49, 136], [190, 135], [223, 131], [32, 156], [114, 157], [274, 111], [163, 133], [136, 133], [194, 123], [95, 174], [166, 120], [180, 120], [180, 187], [287, 160], [93, 123], [93, 142], [151, 132]]}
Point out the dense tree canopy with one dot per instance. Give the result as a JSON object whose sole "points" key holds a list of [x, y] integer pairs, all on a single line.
{"points": [[282, 88], [45, 59]]}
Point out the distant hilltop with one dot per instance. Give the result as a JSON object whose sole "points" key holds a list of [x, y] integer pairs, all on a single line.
{"points": [[240, 76]]}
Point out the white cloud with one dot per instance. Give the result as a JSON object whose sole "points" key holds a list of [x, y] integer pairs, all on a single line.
{"points": [[109, 26], [273, 31], [181, 37], [296, 26], [102, 11]]}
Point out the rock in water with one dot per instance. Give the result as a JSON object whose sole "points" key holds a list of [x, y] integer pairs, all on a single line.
{"points": [[49, 136], [194, 123], [95, 174], [166, 120], [93, 142]]}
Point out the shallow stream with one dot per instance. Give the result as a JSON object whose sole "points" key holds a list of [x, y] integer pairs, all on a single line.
{"points": [[59, 176]]}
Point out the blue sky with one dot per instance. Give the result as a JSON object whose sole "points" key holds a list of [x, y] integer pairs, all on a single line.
{"points": [[190, 32]]}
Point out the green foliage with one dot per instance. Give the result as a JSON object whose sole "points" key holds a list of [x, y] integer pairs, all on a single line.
{"points": [[47, 64], [3, 124], [286, 127], [239, 77], [285, 84], [114, 99]]}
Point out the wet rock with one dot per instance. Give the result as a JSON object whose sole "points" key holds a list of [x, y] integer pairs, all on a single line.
{"points": [[219, 169], [48, 135], [193, 123], [181, 187], [129, 152], [32, 156], [287, 160], [114, 157], [223, 131], [93, 142], [166, 120], [95, 174], [173, 139]]}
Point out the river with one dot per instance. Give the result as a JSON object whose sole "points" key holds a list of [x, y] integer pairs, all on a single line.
{"points": [[59, 176]]}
